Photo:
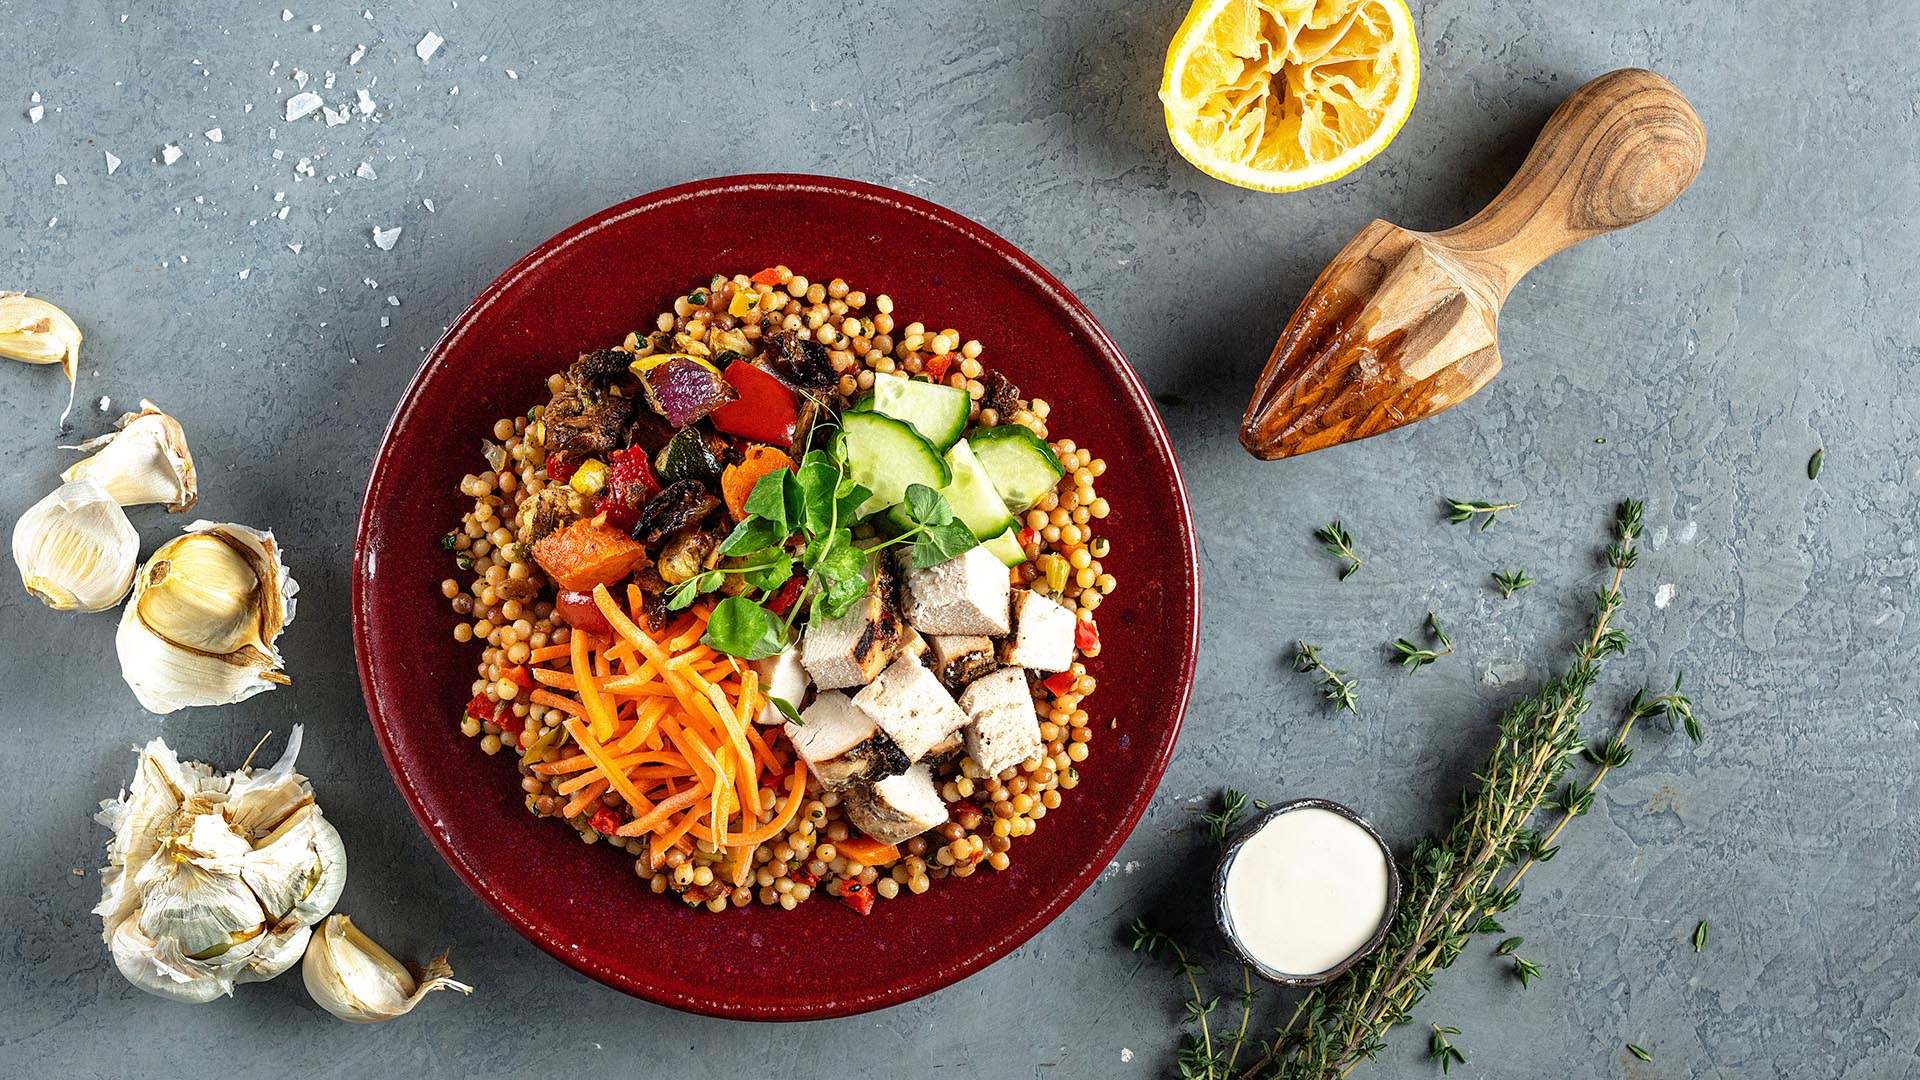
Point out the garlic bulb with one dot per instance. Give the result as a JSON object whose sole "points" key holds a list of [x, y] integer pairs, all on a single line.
{"points": [[206, 610], [36, 332], [143, 460], [214, 878], [355, 979], [76, 549]]}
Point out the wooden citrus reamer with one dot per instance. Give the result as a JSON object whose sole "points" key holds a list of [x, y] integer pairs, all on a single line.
{"points": [[1403, 324]]}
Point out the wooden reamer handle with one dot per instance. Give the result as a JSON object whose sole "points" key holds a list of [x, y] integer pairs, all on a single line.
{"points": [[1616, 152]]}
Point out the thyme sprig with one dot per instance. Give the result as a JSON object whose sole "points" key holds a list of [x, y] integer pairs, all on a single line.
{"points": [[1414, 657], [1333, 685], [1511, 581], [1340, 543], [1220, 823], [1442, 1051], [1453, 882], [1460, 511]]}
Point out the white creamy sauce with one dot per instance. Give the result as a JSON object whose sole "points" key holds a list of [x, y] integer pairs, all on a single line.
{"points": [[1306, 891]]}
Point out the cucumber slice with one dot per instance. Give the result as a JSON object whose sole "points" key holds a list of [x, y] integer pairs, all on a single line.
{"points": [[972, 495], [888, 455], [1023, 468], [935, 411], [1006, 547]]}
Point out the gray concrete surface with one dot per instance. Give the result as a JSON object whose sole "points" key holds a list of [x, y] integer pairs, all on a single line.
{"points": [[1695, 361]]}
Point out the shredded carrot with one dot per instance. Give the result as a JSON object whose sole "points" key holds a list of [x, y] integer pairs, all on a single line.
{"points": [[796, 794], [548, 652], [587, 797], [646, 822], [555, 701], [597, 714]]}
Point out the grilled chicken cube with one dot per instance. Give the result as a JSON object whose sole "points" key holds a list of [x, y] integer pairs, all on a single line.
{"points": [[911, 706], [1042, 637], [1003, 729], [781, 676], [897, 808], [841, 744], [964, 595], [942, 753], [852, 649], [958, 659]]}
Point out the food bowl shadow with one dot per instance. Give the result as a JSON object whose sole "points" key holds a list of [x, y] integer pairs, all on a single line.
{"points": [[1224, 919]]}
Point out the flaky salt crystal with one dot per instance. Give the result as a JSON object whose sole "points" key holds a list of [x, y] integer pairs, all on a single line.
{"points": [[365, 172], [295, 247], [393, 301], [282, 215], [366, 102], [384, 239], [245, 274], [35, 113], [301, 78], [285, 15], [335, 117], [428, 203], [301, 105], [358, 52], [216, 135], [171, 153], [512, 74], [112, 162], [59, 181], [428, 46]]}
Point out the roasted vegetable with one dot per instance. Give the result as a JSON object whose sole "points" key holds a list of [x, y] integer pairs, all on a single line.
{"points": [[684, 390], [765, 410], [692, 455], [686, 553], [804, 364], [682, 504], [586, 553], [736, 483]]}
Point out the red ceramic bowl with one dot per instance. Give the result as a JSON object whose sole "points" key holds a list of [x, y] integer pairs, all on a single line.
{"points": [[586, 288]]}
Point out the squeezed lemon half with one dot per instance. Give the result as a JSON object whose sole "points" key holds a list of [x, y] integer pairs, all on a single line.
{"points": [[1279, 95]]}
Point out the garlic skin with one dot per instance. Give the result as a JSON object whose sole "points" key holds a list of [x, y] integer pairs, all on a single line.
{"points": [[143, 460], [206, 610], [35, 332], [214, 879], [352, 977], [76, 550]]}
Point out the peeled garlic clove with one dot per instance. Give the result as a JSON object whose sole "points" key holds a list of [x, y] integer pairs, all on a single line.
{"points": [[36, 332], [355, 979], [143, 460], [206, 611], [76, 549]]}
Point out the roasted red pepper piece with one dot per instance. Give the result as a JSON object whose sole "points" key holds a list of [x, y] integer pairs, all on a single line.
{"points": [[1026, 537], [769, 276], [630, 483], [1059, 684], [559, 469], [604, 821], [522, 675], [481, 708], [801, 877], [1085, 634], [786, 595], [582, 613], [937, 367], [764, 412], [857, 896]]}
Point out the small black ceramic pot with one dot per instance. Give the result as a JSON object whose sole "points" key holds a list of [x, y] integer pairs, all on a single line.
{"points": [[1224, 918]]}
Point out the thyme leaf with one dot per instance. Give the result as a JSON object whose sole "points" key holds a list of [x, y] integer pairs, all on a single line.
{"points": [[1511, 581], [1340, 543], [1414, 657], [1341, 691], [1700, 936], [1460, 511]]}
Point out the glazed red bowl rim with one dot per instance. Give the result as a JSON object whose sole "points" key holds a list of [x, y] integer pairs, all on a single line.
{"points": [[1016, 932]]}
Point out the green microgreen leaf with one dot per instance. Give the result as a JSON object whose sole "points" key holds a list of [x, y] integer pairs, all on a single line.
{"points": [[1700, 936], [1639, 1052], [786, 709], [740, 627]]}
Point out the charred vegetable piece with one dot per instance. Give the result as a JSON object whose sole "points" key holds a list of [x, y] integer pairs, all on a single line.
{"points": [[765, 410], [801, 363], [586, 553], [601, 369], [1001, 395], [630, 483], [688, 552], [684, 390], [691, 455], [581, 613], [679, 505], [583, 423]]}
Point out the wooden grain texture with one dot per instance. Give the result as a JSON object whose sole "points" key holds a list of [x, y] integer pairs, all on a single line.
{"points": [[1402, 325]]}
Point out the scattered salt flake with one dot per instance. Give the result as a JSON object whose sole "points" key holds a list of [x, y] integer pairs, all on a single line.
{"points": [[512, 74], [384, 239], [171, 153], [393, 301], [1126, 1054], [112, 162], [428, 203], [367, 15], [216, 135], [34, 114], [59, 181], [334, 117], [328, 84], [247, 273], [301, 105], [315, 28], [455, 92], [428, 46], [285, 15], [282, 215], [366, 101], [279, 154], [106, 404], [497, 161], [365, 171], [385, 322], [35, 97], [301, 78], [1663, 595], [295, 247], [52, 221], [279, 196], [247, 108]]}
